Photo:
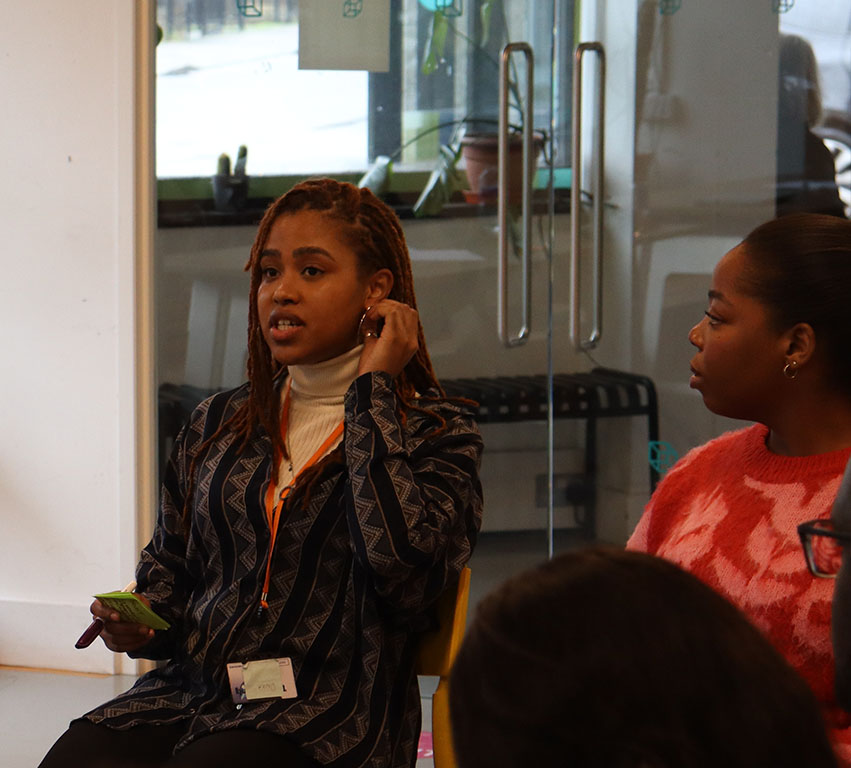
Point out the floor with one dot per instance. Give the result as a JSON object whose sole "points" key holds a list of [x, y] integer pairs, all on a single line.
{"points": [[56, 697], [25, 691]]}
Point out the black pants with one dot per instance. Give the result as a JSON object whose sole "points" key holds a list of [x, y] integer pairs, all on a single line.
{"points": [[86, 745]]}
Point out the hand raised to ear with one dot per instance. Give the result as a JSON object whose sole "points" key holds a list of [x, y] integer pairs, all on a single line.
{"points": [[396, 340]]}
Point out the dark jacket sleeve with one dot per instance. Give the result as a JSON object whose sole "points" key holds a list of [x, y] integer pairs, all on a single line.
{"points": [[414, 501], [162, 574]]}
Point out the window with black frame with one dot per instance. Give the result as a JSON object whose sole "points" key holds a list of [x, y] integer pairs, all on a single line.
{"points": [[233, 103]]}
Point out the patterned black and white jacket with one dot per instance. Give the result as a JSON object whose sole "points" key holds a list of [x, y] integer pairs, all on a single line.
{"points": [[354, 574]]}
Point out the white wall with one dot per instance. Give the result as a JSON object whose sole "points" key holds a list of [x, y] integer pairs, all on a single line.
{"points": [[68, 453]]}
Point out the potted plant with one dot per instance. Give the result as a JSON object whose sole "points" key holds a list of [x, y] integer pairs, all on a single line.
{"points": [[475, 138], [230, 190]]}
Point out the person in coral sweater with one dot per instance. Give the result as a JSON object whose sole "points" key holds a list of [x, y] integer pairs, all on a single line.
{"points": [[772, 349]]}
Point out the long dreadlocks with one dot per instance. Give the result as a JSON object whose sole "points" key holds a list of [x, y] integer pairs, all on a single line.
{"points": [[377, 238]]}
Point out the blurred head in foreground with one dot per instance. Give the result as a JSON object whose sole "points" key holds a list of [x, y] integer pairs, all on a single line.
{"points": [[619, 659]]}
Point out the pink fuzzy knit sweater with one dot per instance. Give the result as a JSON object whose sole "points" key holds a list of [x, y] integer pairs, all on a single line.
{"points": [[728, 512]]}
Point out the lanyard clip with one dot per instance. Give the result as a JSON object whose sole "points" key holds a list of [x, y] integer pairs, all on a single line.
{"points": [[263, 604]]}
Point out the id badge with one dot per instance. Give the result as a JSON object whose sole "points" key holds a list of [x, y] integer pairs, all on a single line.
{"points": [[267, 679]]}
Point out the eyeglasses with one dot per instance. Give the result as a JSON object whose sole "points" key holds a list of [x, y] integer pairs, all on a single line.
{"points": [[823, 547]]}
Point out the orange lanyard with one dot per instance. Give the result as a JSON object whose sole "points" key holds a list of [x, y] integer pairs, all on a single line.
{"points": [[273, 506]]}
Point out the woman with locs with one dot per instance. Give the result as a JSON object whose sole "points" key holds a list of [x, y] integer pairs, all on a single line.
{"points": [[310, 517]]}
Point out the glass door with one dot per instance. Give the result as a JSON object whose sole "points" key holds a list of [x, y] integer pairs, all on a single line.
{"points": [[718, 117], [559, 296], [254, 96], [482, 253], [639, 106]]}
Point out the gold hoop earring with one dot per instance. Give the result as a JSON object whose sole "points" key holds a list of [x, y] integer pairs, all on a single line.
{"points": [[368, 334], [790, 370]]}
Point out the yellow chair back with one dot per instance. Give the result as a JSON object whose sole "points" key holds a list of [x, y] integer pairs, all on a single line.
{"points": [[435, 656]]}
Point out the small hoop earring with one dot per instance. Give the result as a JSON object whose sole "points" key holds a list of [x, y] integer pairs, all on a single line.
{"points": [[368, 334], [790, 370]]}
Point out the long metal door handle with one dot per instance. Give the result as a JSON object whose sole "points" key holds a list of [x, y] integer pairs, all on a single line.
{"points": [[502, 201], [576, 200]]}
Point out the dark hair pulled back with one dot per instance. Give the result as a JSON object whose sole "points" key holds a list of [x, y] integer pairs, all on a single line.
{"points": [[799, 266]]}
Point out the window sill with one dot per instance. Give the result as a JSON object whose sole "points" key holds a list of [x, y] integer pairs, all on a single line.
{"points": [[173, 214]]}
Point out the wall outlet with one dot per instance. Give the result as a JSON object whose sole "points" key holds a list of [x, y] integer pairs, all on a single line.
{"points": [[569, 490]]}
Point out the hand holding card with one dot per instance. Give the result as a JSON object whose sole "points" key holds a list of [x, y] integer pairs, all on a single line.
{"points": [[133, 612], [132, 609]]}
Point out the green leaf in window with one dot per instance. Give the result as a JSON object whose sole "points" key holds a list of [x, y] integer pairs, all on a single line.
{"points": [[377, 175], [436, 43], [444, 181], [485, 18]]}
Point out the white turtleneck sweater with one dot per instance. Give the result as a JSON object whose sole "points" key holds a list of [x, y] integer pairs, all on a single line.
{"points": [[316, 408]]}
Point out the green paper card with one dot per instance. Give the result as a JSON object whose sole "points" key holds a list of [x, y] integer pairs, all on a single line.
{"points": [[131, 608]]}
